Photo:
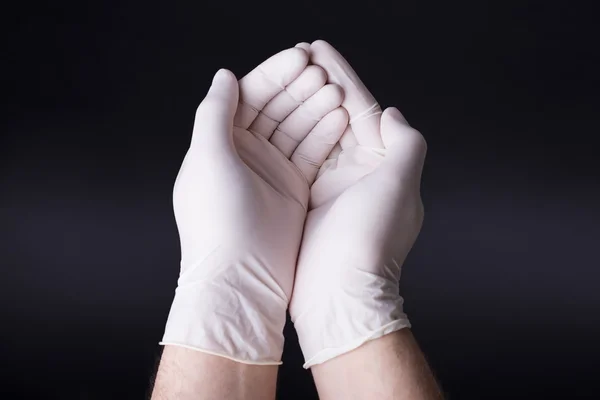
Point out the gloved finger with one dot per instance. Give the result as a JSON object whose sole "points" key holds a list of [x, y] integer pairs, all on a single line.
{"points": [[304, 45], [362, 107], [267, 80], [313, 150], [335, 152], [308, 83], [303, 119], [348, 139], [329, 163], [405, 147], [214, 117]]}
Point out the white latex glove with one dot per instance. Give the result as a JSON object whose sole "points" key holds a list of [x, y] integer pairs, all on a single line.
{"points": [[364, 216], [240, 205]]}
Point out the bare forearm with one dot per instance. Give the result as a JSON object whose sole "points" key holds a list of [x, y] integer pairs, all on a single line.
{"points": [[186, 374], [391, 367]]}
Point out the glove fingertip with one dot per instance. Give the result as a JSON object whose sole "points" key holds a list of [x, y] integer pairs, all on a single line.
{"points": [[223, 75]]}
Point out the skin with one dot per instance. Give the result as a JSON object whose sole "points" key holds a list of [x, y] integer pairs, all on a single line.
{"points": [[186, 374], [391, 367]]}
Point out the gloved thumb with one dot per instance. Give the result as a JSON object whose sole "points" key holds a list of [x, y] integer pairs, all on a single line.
{"points": [[405, 146], [214, 118]]}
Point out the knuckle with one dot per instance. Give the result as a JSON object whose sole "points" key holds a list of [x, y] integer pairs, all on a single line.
{"points": [[416, 139], [301, 158]]}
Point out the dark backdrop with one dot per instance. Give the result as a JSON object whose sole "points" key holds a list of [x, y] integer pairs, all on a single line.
{"points": [[502, 286]]}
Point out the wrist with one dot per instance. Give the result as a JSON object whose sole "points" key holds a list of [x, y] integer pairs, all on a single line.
{"points": [[185, 374], [345, 321], [239, 321]]}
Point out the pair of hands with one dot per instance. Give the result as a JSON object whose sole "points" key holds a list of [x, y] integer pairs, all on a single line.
{"points": [[296, 190]]}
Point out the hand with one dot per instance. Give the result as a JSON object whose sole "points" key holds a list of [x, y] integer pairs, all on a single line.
{"points": [[240, 202], [365, 214]]}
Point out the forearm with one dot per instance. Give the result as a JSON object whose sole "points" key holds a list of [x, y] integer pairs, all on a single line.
{"points": [[391, 367], [186, 374]]}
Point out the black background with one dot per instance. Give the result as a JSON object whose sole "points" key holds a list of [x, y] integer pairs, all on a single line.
{"points": [[502, 285]]}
